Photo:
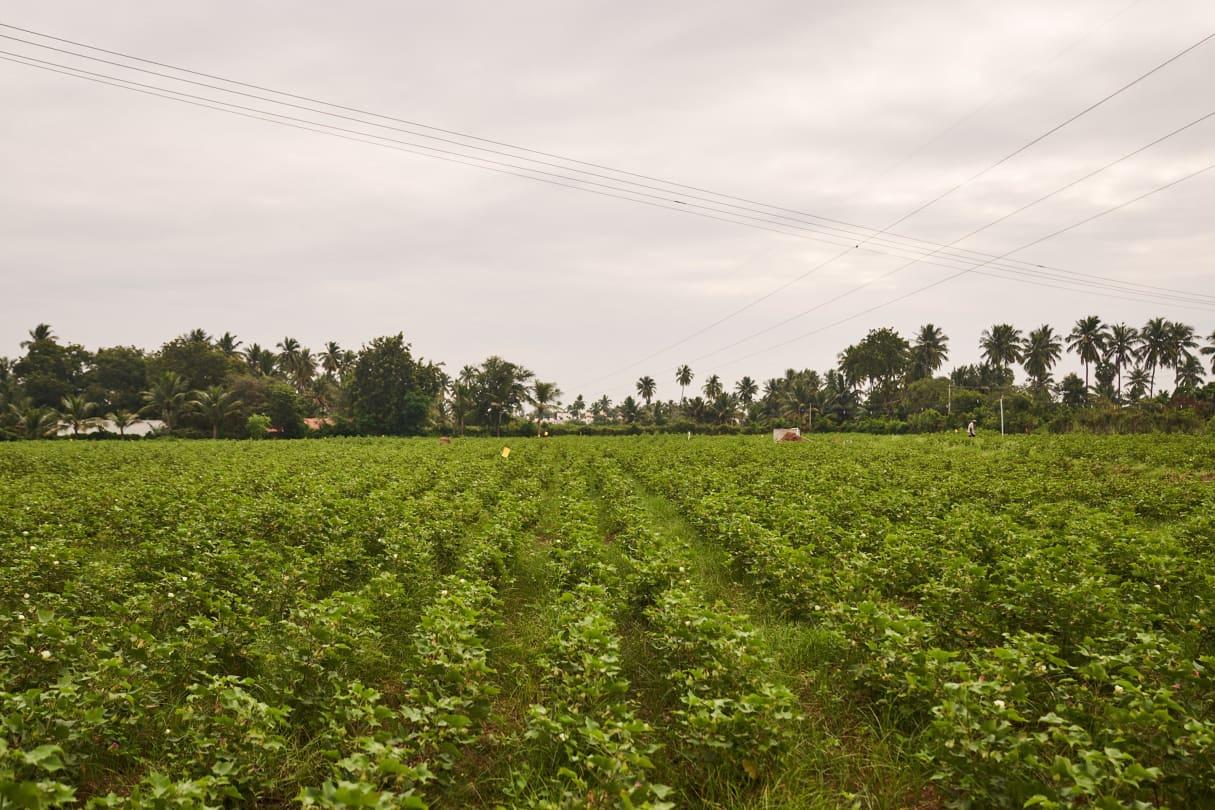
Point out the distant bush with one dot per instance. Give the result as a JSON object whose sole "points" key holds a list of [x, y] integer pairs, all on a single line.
{"points": [[257, 425]]}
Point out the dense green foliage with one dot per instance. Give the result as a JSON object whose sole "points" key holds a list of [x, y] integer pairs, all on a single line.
{"points": [[721, 622], [882, 384]]}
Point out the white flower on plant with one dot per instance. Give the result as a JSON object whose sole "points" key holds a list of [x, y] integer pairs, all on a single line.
{"points": [[1118, 690], [45, 654], [1000, 704], [20, 617], [171, 594]]}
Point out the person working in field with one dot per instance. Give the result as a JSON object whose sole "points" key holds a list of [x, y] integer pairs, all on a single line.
{"points": [[970, 429]]}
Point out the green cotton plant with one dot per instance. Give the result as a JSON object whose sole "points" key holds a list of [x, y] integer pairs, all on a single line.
{"points": [[586, 730], [731, 718], [29, 778]]}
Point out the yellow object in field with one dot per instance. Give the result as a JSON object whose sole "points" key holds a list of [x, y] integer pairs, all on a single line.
{"points": [[505, 452]]}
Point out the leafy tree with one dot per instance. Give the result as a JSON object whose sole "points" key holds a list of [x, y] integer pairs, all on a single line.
{"points": [[49, 371], [881, 360], [390, 392], [683, 377], [79, 412], [929, 351], [712, 387], [257, 425], [645, 389], [1073, 390], [215, 405], [285, 409], [165, 397], [116, 377], [192, 357], [502, 390], [1002, 345], [1087, 339]]}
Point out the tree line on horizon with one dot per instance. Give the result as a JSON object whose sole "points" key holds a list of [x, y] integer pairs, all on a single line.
{"points": [[200, 385]]}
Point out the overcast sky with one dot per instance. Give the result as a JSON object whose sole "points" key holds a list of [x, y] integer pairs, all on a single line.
{"points": [[127, 219]]}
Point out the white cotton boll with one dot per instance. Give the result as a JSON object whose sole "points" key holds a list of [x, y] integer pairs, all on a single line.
{"points": [[46, 654], [999, 704]]}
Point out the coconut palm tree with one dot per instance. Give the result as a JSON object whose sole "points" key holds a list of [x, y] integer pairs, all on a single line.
{"points": [[798, 401], [646, 388], [1042, 350], [461, 403], [577, 408], [1154, 339], [1182, 339], [929, 351], [165, 396], [683, 377], [712, 387], [215, 405], [36, 423], [1087, 339], [1120, 344], [331, 358], [746, 389], [122, 420], [1210, 350], [544, 396], [197, 336], [41, 332], [1189, 374], [1002, 345], [601, 408], [228, 344], [78, 412], [302, 368], [1138, 381], [288, 347]]}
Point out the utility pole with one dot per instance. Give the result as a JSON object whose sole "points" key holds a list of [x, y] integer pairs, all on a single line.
{"points": [[1001, 414]]}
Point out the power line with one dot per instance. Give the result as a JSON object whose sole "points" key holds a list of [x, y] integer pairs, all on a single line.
{"points": [[900, 268], [851, 230], [1029, 74], [939, 282], [936, 199], [309, 126]]}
